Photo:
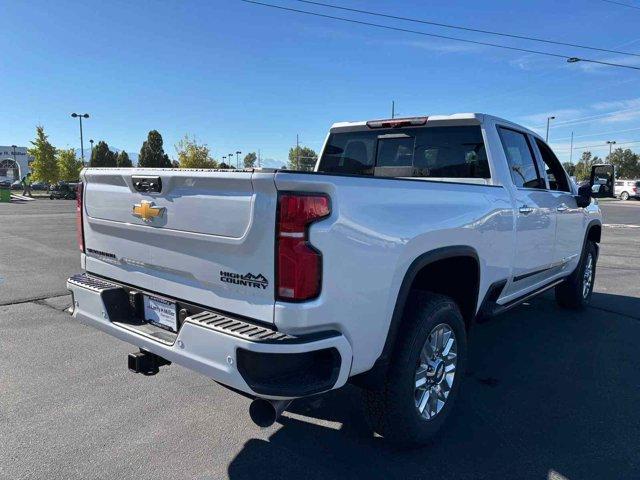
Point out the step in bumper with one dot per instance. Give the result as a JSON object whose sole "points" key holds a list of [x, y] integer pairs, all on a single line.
{"points": [[245, 355]]}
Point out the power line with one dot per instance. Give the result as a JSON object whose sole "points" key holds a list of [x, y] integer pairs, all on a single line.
{"points": [[582, 147], [615, 132], [568, 58], [468, 29], [620, 3], [587, 119]]}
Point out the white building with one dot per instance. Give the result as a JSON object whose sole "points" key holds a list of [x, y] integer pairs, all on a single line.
{"points": [[13, 170]]}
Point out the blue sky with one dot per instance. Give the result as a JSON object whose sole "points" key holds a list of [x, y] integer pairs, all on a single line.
{"points": [[244, 77]]}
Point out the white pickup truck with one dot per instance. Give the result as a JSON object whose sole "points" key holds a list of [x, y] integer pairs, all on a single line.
{"points": [[371, 269]]}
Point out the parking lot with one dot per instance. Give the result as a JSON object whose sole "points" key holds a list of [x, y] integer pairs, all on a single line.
{"points": [[549, 394]]}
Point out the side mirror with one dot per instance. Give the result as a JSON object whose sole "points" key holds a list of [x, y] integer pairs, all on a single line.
{"points": [[583, 199], [602, 178]]}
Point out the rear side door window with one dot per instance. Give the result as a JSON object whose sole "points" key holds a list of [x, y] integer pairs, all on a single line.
{"points": [[555, 172], [522, 165]]}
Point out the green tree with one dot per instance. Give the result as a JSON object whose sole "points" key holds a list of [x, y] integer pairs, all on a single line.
{"points": [[302, 158], [123, 160], [250, 160], [101, 156], [583, 167], [152, 152], [626, 162], [224, 166], [193, 155], [68, 165], [570, 168], [44, 166]]}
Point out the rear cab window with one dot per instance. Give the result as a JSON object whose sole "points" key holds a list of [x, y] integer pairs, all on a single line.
{"points": [[447, 152]]}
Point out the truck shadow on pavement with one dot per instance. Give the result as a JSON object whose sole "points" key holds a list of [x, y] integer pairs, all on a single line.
{"points": [[550, 394]]}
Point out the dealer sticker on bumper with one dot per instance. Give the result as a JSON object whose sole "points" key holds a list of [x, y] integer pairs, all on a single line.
{"points": [[160, 312]]}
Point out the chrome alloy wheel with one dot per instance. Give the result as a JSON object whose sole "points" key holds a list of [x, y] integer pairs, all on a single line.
{"points": [[587, 277], [435, 371]]}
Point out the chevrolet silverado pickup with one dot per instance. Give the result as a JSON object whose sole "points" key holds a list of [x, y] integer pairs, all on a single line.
{"points": [[371, 269]]}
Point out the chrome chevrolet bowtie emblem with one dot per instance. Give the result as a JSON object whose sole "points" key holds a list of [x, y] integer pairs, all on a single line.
{"points": [[146, 211]]}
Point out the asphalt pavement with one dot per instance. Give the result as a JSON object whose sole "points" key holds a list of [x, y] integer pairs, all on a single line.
{"points": [[550, 394]]}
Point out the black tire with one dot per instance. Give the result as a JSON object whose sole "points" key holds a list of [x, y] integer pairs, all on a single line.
{"points": [[624, 196], [572, 292], [392, 411]]}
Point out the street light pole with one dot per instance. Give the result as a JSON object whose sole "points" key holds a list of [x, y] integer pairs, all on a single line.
{"points": [[237, 163], [546, 138], [611, 144], [81, 116], [230, 156]]}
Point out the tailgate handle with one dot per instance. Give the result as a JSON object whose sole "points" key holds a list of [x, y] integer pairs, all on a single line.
{"points": [[146, 184]]}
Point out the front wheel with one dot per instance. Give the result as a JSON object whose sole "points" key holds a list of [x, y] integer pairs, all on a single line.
{"points": [[624, 196], [424, 375], [575, 292]]}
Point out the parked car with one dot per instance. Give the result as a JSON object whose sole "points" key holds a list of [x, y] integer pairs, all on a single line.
{"points": [[39, 186], [370, 269], [5, 183], [63, 190], [17, 185], [626, 189]]}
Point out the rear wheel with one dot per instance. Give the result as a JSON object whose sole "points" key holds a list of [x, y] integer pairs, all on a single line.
{"points": [[624, 196], [575, 292], [424, 376]]}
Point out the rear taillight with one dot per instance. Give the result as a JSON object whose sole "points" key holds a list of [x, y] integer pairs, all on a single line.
{"points": [[79, 226], [635, 189], [298, 264]]}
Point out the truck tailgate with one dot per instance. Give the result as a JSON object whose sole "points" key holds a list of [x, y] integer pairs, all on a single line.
{"points": [[211, 241]]}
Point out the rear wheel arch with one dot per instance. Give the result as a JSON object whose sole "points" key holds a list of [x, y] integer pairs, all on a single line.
{"points": [[463, 265]]}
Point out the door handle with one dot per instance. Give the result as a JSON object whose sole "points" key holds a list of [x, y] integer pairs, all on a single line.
{"points": [[525, 210], [562, 208]]}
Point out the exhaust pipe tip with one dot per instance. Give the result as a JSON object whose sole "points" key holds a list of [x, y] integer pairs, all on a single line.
{"points": [[264, 413]]}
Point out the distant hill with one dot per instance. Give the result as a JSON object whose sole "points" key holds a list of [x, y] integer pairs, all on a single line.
{"points": [[271, 163], [87, 154]]}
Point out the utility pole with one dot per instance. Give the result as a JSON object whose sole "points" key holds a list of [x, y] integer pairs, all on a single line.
{"points": [[297, 152], [258, 158], [546, 139], [393, 109], [571, 151], [13, 147]]}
